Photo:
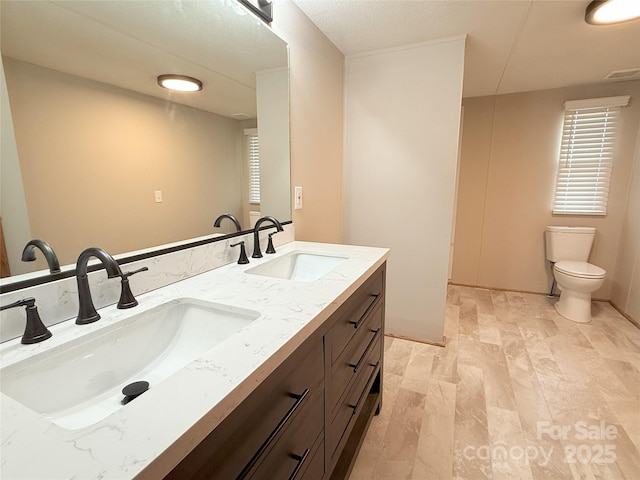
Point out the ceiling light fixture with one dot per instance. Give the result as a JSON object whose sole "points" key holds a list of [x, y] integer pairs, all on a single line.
{"points": [[606, 12], [180, 83]]}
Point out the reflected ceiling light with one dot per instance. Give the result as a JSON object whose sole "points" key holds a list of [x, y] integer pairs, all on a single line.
{"points": [[605, 12], [180, 83]]}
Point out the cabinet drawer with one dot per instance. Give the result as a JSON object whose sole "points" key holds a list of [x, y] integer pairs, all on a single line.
{"points": [[351, 316], [294, 452], [351, 403], [315, 470], [287, 394], [355, 357]]}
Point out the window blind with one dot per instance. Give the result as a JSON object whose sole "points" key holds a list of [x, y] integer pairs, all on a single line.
{"points": [[254, 169], [586, 155]]}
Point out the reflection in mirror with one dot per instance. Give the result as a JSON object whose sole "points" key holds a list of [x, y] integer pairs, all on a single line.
{"points": [[95, 153], [29, 254], [232, 218]]}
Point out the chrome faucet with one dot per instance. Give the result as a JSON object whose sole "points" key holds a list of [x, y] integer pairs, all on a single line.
{"points": [[256, 234], [29, 254], [34, 330], [87, 312], [230, 217]]}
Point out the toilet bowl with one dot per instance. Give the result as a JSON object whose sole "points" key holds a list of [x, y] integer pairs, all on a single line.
{"points": [[576, 281], [568, 249]]}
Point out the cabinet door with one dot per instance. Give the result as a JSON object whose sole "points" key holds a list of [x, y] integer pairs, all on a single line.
{"points": [[353, 373], [351, 402], [291, 391], [354, 358], [291, 453], [350, 318]]}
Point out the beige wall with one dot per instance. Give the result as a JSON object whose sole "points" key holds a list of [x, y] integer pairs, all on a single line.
{"points": [[316, 98], [510, 146], [625, 291], [92, 156], [402, 116]]}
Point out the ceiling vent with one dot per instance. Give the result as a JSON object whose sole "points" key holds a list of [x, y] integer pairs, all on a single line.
{"points": [[627, 74]]}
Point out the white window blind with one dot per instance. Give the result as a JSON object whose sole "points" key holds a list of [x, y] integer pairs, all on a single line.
{"points": [[254, 168], [586, 155]]}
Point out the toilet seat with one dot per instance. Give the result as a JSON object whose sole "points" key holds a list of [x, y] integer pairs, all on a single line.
{"points": [[580, 269]]}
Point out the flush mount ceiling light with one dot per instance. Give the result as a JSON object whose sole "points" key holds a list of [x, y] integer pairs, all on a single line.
{"points": [[605, 12], [180, 83]]}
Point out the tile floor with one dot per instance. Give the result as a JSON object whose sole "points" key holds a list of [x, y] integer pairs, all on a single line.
{"points": [[518, 392]]}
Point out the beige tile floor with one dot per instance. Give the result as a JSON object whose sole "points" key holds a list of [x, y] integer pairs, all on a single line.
{"points": [[517, 393]]}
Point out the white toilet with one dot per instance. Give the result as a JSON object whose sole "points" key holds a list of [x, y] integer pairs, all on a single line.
{"points": [[569, 248]]}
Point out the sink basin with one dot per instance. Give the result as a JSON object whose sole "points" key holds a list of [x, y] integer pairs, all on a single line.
{"points": [[298, 266], [79, 383]]}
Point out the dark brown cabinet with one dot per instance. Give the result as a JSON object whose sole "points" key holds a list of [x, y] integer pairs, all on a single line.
{"points": [[353, 373], [307, 419]]}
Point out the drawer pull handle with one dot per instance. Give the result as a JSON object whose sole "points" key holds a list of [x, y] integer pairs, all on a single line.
{"points": [[374, 365], [356, 323], [301, 459], [365, 354], [300, 398], [363, 395]]}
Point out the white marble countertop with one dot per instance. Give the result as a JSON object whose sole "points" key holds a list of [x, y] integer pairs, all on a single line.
{"points": [[146, 438]]}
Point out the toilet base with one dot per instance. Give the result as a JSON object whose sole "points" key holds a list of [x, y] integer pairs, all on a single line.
{"points": [[574, 306]]}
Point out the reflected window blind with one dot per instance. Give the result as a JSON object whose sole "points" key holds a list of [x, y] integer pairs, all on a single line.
{"points": [[586, 155], [254, 169]]}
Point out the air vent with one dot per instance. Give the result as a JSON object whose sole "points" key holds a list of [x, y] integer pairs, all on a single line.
{"points": [[627, 74]]}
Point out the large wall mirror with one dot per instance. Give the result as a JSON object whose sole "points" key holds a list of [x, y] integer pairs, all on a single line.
{"points": [[96, 153]]}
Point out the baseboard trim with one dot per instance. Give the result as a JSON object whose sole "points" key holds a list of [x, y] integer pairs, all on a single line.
{"points": [[411, 339], [618, 309], [499, 289], [628, 317], [546, 294]]}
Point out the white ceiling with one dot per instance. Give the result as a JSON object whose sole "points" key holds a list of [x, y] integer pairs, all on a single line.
{"points": [[511, 46], [128, 44]]}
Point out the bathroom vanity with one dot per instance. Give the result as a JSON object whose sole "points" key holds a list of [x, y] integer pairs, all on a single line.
{"points": [[300, 422], [289, 395]]}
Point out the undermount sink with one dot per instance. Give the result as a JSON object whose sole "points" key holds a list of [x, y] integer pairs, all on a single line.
{"points": [[79, 383], [299, 266]]}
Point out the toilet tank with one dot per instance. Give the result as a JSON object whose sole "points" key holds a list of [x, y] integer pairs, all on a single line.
{"points": [[569, 243]]}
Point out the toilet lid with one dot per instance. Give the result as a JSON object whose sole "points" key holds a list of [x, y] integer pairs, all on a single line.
{"points": [[580, 269]]}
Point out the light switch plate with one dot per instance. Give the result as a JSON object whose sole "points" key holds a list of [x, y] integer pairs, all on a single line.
{"points": [[297, 198]]}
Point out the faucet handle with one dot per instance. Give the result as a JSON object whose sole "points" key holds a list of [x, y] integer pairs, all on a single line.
{"points": [[133, 272], [270, 247], [127, 300], [34, 330], [243, 254]]}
